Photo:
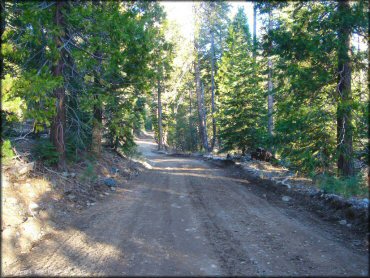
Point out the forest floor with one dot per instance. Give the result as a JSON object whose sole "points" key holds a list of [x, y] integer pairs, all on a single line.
{"points": [[186, 216]]}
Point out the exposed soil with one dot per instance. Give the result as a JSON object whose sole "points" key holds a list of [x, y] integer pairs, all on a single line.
{"points": [[40, 200], [186, 216]]}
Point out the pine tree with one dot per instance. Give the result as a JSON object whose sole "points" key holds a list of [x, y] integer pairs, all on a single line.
{"points": [[242, 109]]}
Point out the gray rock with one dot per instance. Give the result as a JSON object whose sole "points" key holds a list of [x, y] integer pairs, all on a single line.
{"points": [[114, 170], [71, 196], [26, 168], [343, 222], [33, 208], [110, 182], [286, 198]]}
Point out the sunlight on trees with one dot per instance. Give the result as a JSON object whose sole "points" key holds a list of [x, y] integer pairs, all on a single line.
{"points": [[94, 74]]}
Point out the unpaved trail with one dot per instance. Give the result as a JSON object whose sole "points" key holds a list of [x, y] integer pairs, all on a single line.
{"points": [[185, 217]]}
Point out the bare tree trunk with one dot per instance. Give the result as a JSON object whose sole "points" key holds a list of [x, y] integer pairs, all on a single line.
{"points": [[58, 124], [160, 128], [344, 115], [2, 29], [270, 98], [213, 89], [200, 101], [191, 122], [96, 146], [254, 31]]}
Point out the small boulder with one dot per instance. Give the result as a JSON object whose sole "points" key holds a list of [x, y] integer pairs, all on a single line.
{"points": [[33, 208], [114, 170], [110, 182], [26, 168], [286, 198], [71, 197], [343, 222]]}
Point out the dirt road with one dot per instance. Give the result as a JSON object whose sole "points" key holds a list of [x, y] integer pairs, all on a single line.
{"points": [[186, 217]]}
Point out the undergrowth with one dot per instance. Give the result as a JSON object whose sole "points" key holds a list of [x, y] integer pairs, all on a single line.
{"points": [[89, 174], [7, 152], [45, 151], [350, 186]]}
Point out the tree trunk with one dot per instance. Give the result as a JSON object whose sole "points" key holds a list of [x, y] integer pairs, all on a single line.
{"points": [[254, 31], [58, 125], [200, 102], [96, 146], [270, 98], [160, 128], [344, 115], [213, 90], [191, 135], [2, 29]]}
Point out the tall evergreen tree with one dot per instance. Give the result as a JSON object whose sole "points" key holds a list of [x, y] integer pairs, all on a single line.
{"points": [[242, 109]]}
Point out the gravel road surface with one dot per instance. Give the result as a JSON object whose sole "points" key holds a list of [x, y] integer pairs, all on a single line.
{"points": [[183, 216]]}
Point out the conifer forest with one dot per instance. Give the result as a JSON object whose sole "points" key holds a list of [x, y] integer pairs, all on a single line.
{"points": [[285, 83]]}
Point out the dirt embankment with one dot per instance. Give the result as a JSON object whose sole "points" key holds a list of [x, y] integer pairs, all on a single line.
{"points": [[37, 200], [351, 212]]}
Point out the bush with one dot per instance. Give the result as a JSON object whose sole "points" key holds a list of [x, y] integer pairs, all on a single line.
{"points": [[7, 152], [89, 174], [350, 186], [45, 151]]}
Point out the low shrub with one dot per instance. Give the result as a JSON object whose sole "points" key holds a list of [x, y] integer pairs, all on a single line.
{"points": [[7, 152], [46, 152], [349, 186], [89, 174]]}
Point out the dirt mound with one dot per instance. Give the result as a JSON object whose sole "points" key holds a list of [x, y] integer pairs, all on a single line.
{"points": [[39, 199]]}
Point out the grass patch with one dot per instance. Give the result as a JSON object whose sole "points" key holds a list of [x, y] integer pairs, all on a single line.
{"points": [[347, 187], [7, 152]]}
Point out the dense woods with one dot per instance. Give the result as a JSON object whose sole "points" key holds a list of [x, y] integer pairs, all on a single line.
{"points": [[92, 74]]}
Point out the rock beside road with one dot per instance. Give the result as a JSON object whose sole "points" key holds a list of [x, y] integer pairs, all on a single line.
{"points": [[286, 198], [110, 182]]}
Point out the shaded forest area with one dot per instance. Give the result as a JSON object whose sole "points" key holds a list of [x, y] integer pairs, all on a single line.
{"points": [[92, 74]]}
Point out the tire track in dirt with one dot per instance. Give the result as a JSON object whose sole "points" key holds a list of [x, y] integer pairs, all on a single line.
{"points": [[183, 217]]}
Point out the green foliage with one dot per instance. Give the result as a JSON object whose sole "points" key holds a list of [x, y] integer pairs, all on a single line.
{"points": [[242, 112], [109, 53], [89, 174], [305, 69], [46, 152], [114, 54], [7, 152], [349, 186]]}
